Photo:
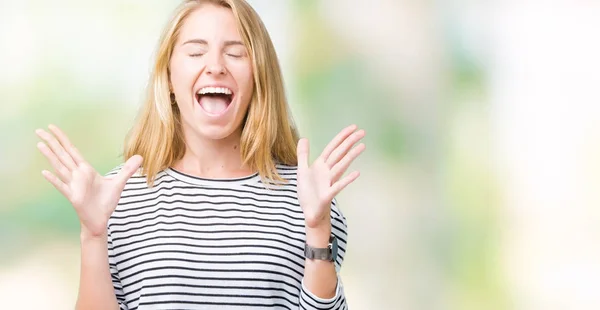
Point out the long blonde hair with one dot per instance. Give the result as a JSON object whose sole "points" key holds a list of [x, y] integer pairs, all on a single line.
{"points": [[269, 136]]}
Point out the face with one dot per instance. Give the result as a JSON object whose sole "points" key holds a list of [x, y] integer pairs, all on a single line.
{"points": [[211, 74]]}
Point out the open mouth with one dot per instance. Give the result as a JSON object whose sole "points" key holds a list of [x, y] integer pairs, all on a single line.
{"points": [[214, 100]]}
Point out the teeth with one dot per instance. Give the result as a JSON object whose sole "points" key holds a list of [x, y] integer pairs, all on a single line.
{"points": [[215, 90]]}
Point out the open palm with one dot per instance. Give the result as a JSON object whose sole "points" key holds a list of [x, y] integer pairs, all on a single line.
{"points": [[320, 182], [93, 196]]}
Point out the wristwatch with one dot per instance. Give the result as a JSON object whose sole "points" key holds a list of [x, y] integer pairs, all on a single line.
{"points": [[329, 253]]}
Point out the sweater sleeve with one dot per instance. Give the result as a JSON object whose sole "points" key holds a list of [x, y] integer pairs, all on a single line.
{"points": [[308, 300]]}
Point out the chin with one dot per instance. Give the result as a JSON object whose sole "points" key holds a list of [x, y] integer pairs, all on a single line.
{"points": [[214, 132]]}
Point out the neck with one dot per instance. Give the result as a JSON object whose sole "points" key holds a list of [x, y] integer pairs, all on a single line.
{"points": [[208, 158]]}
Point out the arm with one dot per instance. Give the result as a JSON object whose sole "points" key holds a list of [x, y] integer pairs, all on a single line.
{"points": [[95, 285], [318, 185], [322, 287], [94, 198]]}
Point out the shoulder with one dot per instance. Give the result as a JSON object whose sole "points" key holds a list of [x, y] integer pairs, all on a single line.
{"points": [[136, 179], [137, 193], [114, 171], [287, 172]]}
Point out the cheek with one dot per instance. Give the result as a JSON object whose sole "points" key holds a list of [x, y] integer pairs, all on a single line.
{"points": [[245, 79], [182, 74]]}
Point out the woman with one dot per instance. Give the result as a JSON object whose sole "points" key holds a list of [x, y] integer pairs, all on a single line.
{"points": [[216, 206]]}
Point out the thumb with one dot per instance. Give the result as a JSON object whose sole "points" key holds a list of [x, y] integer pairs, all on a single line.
{"points": [[302, 153], [129, 168]]}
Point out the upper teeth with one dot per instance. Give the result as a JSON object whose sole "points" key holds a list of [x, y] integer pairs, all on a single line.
{"points": [[215, 90]]}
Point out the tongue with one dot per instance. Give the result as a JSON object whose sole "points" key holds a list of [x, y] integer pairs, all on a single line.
{"points": [[213, 104]]}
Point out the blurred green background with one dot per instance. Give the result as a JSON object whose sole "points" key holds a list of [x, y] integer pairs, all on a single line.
{"points": [[479, 187]]}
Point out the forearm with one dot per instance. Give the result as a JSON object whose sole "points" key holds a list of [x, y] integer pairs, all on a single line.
{"points": [[320, 277], [95, 284]]}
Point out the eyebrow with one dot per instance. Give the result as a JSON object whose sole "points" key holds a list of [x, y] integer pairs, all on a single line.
{"points": [[204, 42]]}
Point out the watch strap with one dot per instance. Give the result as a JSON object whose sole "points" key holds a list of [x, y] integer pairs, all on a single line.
{"points": [[319, 253]]}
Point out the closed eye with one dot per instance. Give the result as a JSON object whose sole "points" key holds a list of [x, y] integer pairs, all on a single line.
{"points": [[196, 55]]}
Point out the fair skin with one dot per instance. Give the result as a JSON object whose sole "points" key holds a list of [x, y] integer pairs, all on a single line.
{"points": [[212, 138], [94, 198], [210, 52]]}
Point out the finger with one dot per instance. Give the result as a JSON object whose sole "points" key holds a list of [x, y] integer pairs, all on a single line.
{"points": [[338, 169], [302, 151], [66, 143], [63, 173], [338, 186], [337, 140], [129, 168], [57, 183], [57, 148], [341, 151]]}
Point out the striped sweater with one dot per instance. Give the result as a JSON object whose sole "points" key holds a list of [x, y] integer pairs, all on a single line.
{"points": [[194, 243]]}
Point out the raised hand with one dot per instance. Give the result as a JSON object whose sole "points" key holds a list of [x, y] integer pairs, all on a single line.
{"points": [[320, 182], [93, 196]]}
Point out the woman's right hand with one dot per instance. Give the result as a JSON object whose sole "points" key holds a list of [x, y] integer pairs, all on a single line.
{"points": [[93, 196]]}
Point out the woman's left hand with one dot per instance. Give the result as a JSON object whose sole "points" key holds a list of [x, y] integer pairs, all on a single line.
{"points": [[320, 182]]}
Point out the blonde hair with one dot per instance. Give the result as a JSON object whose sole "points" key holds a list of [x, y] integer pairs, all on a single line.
{"points": [[269, 136]]}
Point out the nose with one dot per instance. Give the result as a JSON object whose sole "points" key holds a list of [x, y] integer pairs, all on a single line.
{"points": [[214, 65], [215, 69]]}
